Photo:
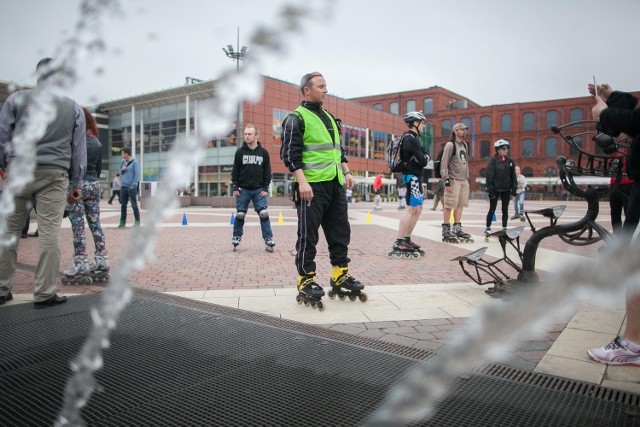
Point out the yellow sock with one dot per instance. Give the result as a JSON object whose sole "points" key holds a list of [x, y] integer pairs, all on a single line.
{"points": [[337, 272]]}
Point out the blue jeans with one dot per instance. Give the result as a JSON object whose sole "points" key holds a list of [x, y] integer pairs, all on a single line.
{"points": [[127, 193], [518, 203], [242, 206]]}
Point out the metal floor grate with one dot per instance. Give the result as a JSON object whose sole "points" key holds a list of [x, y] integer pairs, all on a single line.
{"points": [[178, 362]]}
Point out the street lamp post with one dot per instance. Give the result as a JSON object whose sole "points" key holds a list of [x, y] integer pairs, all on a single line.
{"points": [[240, 54]]}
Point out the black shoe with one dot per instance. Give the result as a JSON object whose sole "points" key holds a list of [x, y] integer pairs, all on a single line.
{"points": [[6, 298], [34, 234], [54, 300], [24, 236]]}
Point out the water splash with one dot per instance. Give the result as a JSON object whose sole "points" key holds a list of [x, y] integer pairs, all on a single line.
{"points": [[231, 88], [495, 329]]}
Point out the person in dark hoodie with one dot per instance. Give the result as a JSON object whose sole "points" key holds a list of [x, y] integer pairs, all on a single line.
{"points": [[615, 112], [250, 179], [501, 183]]}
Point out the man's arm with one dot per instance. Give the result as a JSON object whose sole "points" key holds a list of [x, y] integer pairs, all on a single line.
{"points": [[266, 171], [444, 162], [7, 125], [78, 149], [235, 171], [292, 143]]}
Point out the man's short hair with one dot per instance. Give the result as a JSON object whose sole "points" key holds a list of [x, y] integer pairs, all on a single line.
{"points": [[255, 129], [43, 69], [126, 150], [304, 82]]}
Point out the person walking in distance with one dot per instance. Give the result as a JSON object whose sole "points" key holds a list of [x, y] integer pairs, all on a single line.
{"points": [[454, 170], [130, 173], [501, 183], [250, 179], [414, 159], [438, 195], [377, 186], [60, 150], [312, 152], [115, 189], [83, 272], [521, 191]]}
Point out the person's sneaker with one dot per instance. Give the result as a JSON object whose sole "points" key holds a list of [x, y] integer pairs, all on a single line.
{"points": [[136, 223], [5, 298], [33, 234], [54, 300], [122, 224], [516, 216], [617, 352], [24, 236]]}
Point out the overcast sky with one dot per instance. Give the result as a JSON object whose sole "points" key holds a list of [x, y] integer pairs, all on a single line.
{"points": [[491, 51]]}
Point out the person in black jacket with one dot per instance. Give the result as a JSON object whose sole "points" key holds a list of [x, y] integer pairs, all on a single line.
{"points": [[501, 183], [616, 112], [250, 179], [415, 159]]}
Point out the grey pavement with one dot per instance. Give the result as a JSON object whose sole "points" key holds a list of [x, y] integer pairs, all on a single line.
{"points": [[417, 303]]}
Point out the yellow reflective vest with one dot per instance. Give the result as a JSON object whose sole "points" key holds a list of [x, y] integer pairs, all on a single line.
{"points": [[320, 155]]}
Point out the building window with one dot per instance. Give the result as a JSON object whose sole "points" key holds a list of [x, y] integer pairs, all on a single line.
{"points": [[411, 105], [528, 172], [505, 123], [528, 121], [377, 106], [552, 118], [467, 122], [575, 115], [354, 140], [485, 124], [445, 128], [394, 108], [485, 149], [527, 148], [551, 147], [379, 146], [427, 106]]}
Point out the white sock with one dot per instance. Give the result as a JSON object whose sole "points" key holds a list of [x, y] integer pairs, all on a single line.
{"points": [[633, 346]]}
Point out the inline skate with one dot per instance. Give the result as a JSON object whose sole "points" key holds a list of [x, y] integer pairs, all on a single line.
{"points": [[522, 217], [309, 292], [405, 249], [448, 236], [345, 286], [461, 235], [99, 270], [78, 273], [270, 244], [235, 241]]}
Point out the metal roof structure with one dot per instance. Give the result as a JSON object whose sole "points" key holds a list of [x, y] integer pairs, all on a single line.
{"points": [[202, 90]]}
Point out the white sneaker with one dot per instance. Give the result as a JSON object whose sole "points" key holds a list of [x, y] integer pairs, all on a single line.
{"points": [[617, 352]]}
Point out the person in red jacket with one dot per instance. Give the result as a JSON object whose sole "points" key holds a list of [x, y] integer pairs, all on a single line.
{"points": [[377, 186]]}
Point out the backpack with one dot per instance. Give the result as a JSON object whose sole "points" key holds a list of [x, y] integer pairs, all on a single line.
{"points": [[438, 161], [393, 158]]}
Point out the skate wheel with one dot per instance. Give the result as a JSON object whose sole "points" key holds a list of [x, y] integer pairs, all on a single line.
{"points": [[87, 281], [332, 294], [407, 255], [390, 254], [352, 297], [320, 306], [299, 299], [307, 302], [416, 255], [363, 297], [397, 254], [313, 303], [341, 296]]}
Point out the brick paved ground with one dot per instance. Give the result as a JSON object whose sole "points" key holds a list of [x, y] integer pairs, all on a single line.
{"points": [[198, 256]]}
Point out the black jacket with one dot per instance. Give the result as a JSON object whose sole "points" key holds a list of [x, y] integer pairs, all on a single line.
{"points": [[501, 175], [251, 168], [413, 154], [622, 116]]}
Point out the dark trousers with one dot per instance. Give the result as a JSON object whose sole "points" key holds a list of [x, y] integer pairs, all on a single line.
{"points": [[618, 202], [633, 209], [505, 197], [328, 210], [114, 193]]}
